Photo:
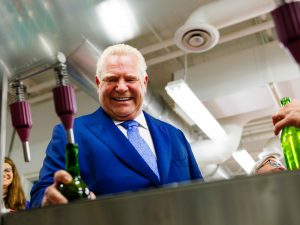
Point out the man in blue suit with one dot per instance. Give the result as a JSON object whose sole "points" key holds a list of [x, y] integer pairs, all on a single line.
{"points": [[109, 162]]}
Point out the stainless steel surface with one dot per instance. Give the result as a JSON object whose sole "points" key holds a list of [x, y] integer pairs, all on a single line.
{"points": [[70, 136], [82, 67], [268, 200], [3, 118], [26, 151], [30, 26]]}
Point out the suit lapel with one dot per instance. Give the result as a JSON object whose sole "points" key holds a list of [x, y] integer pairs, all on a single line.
{"points": [[162, 144], [103, 128]]}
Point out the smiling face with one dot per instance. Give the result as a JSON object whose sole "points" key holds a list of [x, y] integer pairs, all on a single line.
{"points": [[8, 176], [121, 90], [270, 165]]}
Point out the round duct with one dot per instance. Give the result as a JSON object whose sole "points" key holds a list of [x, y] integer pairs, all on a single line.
{"points": [[201, 30], [196, 38]]}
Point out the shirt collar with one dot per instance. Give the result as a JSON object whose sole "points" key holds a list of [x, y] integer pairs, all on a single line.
{"points": [[140, 119]]}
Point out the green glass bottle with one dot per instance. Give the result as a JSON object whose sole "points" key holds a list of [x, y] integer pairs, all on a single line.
{"points": [[77, 189], [290, 142]]}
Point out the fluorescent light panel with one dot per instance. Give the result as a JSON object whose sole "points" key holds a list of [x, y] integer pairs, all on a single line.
{"points": [[184, 97], [244, 159], [117, 19]]}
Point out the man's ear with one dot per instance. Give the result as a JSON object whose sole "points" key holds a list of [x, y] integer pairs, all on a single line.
{"points": [[97, 81], [146, 80], [145, 83]]}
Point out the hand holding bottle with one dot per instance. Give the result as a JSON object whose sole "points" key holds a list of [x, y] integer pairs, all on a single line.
{"points": [[287, 116], [53, 196], [77, 188]]}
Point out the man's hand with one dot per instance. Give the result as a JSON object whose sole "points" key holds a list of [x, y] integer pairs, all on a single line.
{"points": [[289, 115], [52, 195]]}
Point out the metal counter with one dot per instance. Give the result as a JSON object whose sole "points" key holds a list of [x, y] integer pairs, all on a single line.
{"points": [[266, 199]]}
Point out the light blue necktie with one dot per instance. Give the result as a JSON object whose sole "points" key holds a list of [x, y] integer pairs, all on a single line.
{"points": [[140, 144]]}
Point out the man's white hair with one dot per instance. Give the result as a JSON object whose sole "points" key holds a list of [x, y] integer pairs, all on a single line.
{"points": [[121, 49]]}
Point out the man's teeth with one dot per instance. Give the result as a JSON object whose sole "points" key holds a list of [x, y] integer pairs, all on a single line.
{"points": [[122, 99]]}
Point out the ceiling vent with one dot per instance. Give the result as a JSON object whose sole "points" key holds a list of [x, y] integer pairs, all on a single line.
{"points": [[196, 38], [201, 30]]}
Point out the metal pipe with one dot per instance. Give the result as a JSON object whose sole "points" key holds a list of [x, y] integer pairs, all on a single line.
{"points": [[38, 67], [275, 94], [247, 31], [40, 87], [70, 136], [26, 151], [157, 46], [3, 111]]}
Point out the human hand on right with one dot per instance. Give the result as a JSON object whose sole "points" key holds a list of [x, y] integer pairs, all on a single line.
{"points": [[289, 115]]}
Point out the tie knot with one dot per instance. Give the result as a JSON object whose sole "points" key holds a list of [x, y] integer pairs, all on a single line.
{"points": [[129, 124]]}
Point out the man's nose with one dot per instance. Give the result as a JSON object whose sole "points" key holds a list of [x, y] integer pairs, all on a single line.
{"points": [[282, 168], [122, 86]]}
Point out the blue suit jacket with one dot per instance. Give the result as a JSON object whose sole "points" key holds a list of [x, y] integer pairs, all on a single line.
{"points": [[108, 161]]}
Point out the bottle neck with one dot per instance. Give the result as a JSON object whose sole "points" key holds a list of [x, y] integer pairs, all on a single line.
{"points": [[72, 164], [285, 101]]}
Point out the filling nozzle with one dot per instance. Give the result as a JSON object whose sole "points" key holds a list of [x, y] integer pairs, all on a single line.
{"points": [[280, 2], [70, 136], [64, 98], [26, 151], [287, 23], [21, 117]]}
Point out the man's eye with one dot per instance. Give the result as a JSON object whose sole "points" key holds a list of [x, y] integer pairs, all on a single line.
{"points": [[110, 80], [132, 79]]}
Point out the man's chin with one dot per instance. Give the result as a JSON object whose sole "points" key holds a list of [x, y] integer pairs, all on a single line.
{"points": [[125, 115]]}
